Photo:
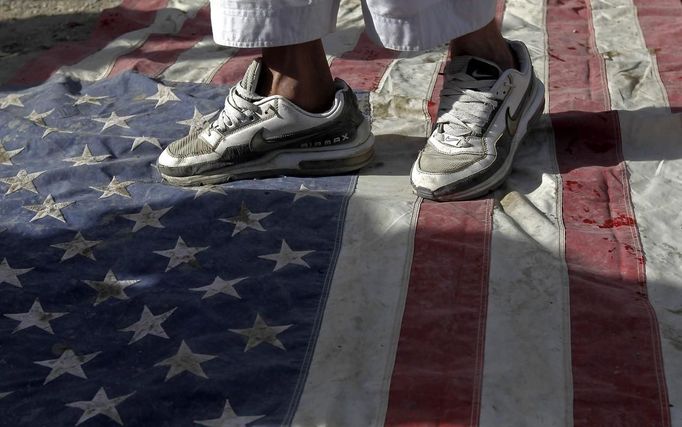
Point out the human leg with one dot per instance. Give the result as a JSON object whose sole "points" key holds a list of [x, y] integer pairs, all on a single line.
{"points": [[299, 73], [487, 43], [286, 116]]}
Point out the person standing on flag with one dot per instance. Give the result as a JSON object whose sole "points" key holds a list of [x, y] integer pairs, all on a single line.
{"points": [[289, 116]]}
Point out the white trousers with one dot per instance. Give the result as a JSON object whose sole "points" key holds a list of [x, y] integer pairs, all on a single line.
{"points": [[396, 24]]}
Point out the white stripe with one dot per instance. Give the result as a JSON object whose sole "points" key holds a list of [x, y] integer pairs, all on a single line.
{"points": [[632, 73], [350, 374], [652, 146], [349, 26], [398, 106], [167, 21], [200, 63], [526, 371]]}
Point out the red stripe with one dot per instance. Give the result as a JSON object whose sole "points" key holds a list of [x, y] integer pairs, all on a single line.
{"points": [[160, 51], [364, 66], [661, 23], [438, 369], [131, 15], [616, 361]]}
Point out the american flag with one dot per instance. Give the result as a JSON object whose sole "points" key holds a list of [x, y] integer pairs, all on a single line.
{"points": [[344, 300]]}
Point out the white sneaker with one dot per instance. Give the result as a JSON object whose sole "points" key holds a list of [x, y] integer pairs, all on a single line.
{"points": [[484, 114], [255, 136]]}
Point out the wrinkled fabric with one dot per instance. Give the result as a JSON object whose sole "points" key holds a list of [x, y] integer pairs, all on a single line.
{"points": [[405, 25]]}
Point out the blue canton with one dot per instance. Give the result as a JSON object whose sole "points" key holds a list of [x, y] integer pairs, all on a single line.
{"points": [[126, 301]]}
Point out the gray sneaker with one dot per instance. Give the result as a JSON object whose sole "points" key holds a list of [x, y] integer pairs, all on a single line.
{"points": [[484, 114], [256, 136]]}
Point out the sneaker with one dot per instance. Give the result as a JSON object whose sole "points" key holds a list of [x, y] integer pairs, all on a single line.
{"points": [[256, 136], [484, 114]]}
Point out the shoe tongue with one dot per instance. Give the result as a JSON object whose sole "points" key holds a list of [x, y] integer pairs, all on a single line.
{"points": [[250, 80], [478, 68]]}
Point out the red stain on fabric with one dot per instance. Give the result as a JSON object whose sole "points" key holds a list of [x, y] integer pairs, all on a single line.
{"points": [[573, 185], [619, 221]]}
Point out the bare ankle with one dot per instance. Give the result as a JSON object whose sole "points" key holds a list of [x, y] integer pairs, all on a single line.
{"points": [[486, 43], [299, 73]]}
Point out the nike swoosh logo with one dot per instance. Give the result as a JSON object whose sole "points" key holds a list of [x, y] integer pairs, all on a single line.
{"points": [[478, 75], [513, 121]]}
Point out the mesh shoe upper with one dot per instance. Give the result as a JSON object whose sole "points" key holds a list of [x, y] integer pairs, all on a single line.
{"points": [[466, 109]]}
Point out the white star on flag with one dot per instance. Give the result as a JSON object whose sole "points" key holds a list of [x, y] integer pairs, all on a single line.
{"points": [[39, 118], [114, 120], [197, 121], [6, 155], [49, 130], [147, 217], [260, 332], [149, 324], [163, 95], [22, 181], [11, 275], [86, 158], [35, 316], [115, 187], [11, 99], [304, 191], [181, 254], [185, 360], [205, 189], [68, 363], [87, 99], [229, 418], [100, 405], [48, 208], [77, 246], [137, 141], [286, 256], [110, 287], [246, 219], [220, 286]]}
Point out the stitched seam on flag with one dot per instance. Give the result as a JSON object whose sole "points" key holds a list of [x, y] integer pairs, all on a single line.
{"points": [[655, 325], [397, 327], [480, 349], [641, 272], [634, 230], [654, 60], [566, 321], [315, 332], [594, 48], [433, 97]]}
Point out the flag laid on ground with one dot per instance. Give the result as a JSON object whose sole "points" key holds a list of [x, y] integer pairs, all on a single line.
{"points": [[343, 301]]}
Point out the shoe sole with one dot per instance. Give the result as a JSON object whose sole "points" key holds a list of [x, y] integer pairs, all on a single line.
{"points": [[529, 118], [299, 162]]}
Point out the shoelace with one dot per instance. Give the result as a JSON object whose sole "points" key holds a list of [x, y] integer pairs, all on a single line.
{"points": [[465, 107], [239, 108]]}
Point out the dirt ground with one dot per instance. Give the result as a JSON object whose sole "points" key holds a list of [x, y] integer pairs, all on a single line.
{"points": [[28, 27]]}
